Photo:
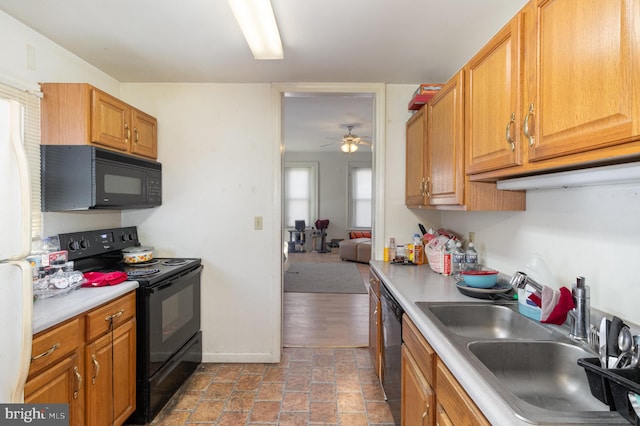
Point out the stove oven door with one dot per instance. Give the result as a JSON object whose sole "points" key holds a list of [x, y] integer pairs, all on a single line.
{"points": [[173, 308]]}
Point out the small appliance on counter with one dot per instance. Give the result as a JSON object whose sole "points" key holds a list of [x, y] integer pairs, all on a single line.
{"points": [[169, 340]]}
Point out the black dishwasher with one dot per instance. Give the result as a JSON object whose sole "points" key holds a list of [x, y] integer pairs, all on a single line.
{"points": [[391, 351]]}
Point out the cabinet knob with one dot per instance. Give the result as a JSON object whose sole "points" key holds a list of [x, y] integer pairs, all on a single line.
{"points": [[78, 381], [96, 369], [510, 141], [525, 125], [47, 352]]}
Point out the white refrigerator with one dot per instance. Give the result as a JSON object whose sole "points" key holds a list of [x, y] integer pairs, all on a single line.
{"points": [[16, 294]]}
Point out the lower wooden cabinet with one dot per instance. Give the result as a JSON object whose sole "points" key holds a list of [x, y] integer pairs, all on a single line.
{"points": [[430, 393], [457, 405], [111, 376], [375, 323], [441, 417], [61, 383], [90, 366], [418, 398]]}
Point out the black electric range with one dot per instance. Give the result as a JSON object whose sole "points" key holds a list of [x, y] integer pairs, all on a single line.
{"points": [[168, 336]]}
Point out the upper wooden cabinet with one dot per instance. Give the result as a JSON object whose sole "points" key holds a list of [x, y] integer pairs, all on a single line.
{"points": [[583, 75], [446, 185], [578, 104], [80, 114], [492, 101], [445, 144], [416, 160]]}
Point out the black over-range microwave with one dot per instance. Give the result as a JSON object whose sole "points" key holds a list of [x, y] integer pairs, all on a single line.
{"points": [[82, 177]]}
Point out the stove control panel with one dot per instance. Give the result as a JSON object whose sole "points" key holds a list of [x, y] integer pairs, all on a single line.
{"points": [[80, 245]]}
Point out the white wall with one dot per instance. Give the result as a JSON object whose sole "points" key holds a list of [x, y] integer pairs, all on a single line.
{"points": [[593, 232], [220, 164], [333, 169]]}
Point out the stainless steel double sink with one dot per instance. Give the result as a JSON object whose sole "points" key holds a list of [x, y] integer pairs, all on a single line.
{"points": [[532, 366]]}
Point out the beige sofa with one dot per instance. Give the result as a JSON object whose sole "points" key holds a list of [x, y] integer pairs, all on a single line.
{"points": [[355, 250]]}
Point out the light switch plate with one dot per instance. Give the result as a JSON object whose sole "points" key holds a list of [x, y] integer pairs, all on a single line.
{"points": [[257, 222]]}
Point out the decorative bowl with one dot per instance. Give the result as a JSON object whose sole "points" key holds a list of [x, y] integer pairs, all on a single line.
{"points": [[480, 279]]}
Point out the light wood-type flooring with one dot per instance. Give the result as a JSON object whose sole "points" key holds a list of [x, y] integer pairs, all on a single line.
{"points": [[325, 319]]}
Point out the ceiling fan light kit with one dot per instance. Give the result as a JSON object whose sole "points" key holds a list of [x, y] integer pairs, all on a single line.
{"points": [[258, 24], [349, 147]]}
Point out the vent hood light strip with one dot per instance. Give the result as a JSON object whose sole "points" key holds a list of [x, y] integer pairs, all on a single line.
{"points": [[258, 24], [616, 174]]}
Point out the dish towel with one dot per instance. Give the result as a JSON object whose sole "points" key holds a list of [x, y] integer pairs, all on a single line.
{"points": [[101, 279], [554, 304]]}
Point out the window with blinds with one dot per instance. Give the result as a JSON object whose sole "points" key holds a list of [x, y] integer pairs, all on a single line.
{"points": [[360, 195], [300, 192], [30, 126]]}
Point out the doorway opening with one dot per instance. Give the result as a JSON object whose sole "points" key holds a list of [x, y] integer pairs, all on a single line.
{"points": [[312, 123]]}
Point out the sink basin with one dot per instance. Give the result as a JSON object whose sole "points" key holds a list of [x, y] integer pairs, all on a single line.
{"points": [[542, 373], [483, 321], [531, 366]]}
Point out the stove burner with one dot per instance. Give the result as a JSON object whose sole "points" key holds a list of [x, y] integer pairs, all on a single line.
{"points": [[143, 264], [174, 262], [142, 273]]}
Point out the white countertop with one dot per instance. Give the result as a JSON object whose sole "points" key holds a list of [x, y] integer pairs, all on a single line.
{"points": [[410, 284], [54, 310]]}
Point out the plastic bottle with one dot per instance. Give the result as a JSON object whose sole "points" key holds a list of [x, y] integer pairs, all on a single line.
{"points": [[458, 263], [446, 266], [392, 249], [471, 258], [418, 250]]}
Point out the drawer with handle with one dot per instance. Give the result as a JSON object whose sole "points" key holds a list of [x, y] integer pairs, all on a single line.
{"points": [[50, 346], [109, 316]]}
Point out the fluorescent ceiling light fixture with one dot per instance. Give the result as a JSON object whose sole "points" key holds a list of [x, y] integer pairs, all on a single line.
{"points": [[258, 24], [616, 174]]}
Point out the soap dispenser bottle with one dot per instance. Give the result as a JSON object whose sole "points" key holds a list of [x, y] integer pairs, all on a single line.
{"points": [[580, 315]]}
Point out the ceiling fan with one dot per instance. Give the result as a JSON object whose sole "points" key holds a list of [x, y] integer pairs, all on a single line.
{"points": [[351, 141]]}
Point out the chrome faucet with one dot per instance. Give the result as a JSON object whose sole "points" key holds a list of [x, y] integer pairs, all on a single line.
{"points": [[521, 280], [580, 315]]}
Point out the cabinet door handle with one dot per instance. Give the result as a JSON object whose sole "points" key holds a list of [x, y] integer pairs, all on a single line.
{"points": [[114, 316], [78, 381], [525, 125], [46, 353], [510, 141], [422, 187], [428, 187], [126, 128], [136, 137], [96, 369]]}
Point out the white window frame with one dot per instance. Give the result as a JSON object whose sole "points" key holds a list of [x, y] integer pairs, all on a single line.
{"points": [[312, 166], [350, 200]]}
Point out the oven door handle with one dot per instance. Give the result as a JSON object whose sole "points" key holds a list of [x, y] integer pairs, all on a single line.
{"points": [[186, 275]]}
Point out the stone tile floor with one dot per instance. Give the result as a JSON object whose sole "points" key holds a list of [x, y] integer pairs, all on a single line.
{"points": [[310, 386]]}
